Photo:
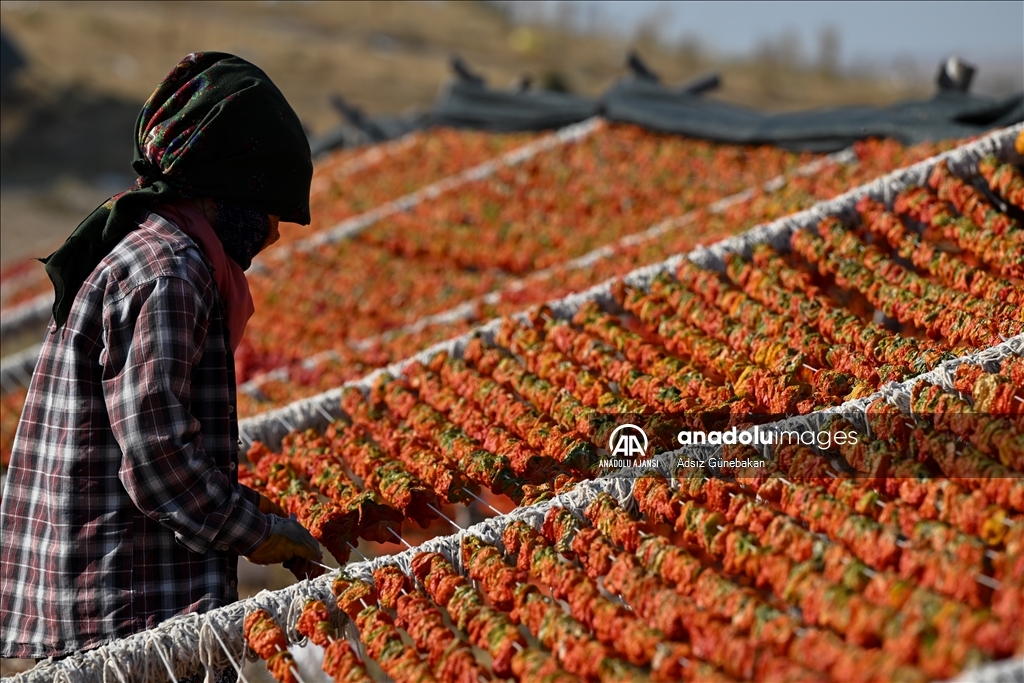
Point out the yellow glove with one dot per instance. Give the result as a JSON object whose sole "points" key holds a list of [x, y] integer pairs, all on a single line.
{"points": [[269, 507], [288, 540]]}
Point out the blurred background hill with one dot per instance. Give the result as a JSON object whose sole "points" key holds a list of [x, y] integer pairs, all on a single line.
{"points": [[68, 111]]}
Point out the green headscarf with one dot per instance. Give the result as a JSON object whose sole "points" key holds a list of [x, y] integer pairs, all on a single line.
{"points": [[215, 127]]}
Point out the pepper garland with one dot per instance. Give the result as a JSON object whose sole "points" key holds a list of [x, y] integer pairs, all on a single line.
{"points": [[652, 358], [401, 444], [332, 526], [311, 454], [398, 486], [268, 641], [987, 431], [1000, 253], [712, 637], [969, 201], [770, 280], [491, 470], [472, 377], [752, 539], [525, 461], [377, 631], [995, 393], [560, 412], [943, 314], [758, 389], [487, 627], [1004, 179], [340, 662], [1001, 317], [949, 269], [762, 329], [450, 658]]}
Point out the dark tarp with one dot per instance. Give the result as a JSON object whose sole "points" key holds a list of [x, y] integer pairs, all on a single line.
{"points": [[368, 131], [360, 129], [464, 104], [641, 99], [949, 114]]}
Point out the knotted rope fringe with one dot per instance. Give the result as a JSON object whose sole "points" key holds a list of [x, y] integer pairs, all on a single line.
{"points": [[131, 660]]}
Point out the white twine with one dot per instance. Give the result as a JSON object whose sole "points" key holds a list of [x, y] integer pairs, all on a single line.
{"points": [[208, 652], [190, 634], [353, 226], [305, 413], [158, 646], [467, 309]]}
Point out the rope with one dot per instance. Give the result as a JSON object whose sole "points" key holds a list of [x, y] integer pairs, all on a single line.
{"points": [[208, 661], [266, 427], [357, 224], [158, 646]]}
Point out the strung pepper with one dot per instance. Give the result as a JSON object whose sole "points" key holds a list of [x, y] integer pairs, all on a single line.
{"points": [[267, 640]]}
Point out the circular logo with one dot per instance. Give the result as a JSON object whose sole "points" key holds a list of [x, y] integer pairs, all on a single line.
{"points": [[628, 441]]}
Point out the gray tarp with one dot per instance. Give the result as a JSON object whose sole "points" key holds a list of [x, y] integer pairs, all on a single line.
{"points": [[468, 105], [949, 114], [464, 104]]}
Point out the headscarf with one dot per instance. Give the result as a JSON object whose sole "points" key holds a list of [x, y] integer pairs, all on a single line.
{"points": [[215, 127]]}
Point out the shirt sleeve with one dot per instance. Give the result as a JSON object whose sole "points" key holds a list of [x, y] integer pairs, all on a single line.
{"points": [[153, 339], [251, 495]]}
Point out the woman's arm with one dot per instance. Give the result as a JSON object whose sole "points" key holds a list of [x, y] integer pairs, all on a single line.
{"points": [[154, 337]]}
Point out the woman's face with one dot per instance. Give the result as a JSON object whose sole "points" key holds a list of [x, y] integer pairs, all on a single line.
{"points": [[275, 234], [210, 209]]}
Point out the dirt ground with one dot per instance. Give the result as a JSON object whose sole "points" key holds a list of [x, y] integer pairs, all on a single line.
{"points": [[65, 142]]}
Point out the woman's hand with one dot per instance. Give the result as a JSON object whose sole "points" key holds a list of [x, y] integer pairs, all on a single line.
{"points": [[269, 507], [288, 541]]}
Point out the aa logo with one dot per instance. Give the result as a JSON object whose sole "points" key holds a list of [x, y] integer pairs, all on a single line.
{"points": [[628, 441]]}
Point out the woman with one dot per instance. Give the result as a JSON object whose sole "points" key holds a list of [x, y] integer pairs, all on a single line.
{"points": [[122, 506]]}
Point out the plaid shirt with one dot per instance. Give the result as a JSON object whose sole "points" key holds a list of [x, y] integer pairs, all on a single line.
{"points": [[122, 506]]}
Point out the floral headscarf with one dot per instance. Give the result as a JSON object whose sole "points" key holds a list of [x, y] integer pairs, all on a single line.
{"points": [[215, 127]]}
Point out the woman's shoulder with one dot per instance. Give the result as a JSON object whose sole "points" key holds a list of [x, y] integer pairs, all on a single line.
{"points": [[157, 248]]}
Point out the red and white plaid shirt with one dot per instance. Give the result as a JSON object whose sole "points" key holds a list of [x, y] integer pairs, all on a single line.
{"points": [[122, 506]]}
